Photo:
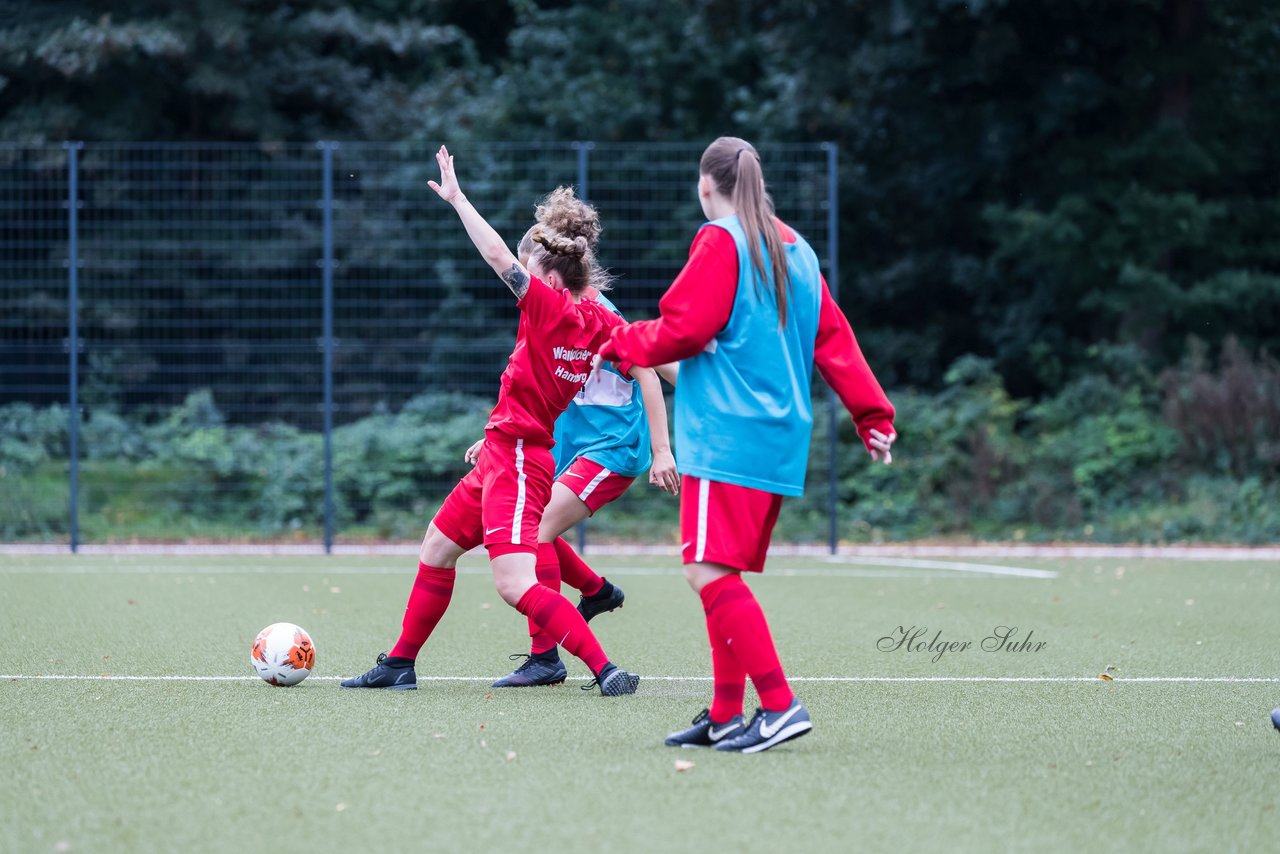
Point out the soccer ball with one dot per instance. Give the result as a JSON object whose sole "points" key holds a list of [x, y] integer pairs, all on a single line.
{"points": [[283, 654]]}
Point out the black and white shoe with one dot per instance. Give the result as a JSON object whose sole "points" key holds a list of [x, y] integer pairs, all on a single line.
{"points": [[541, 669], [769, 729], [706, 732], [614, 682], [606, 599], [394, 674]]}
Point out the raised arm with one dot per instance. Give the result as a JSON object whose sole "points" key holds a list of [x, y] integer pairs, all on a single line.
{"points": [[491, 245]]}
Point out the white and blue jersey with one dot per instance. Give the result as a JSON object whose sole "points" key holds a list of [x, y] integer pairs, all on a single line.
{"points": [[743, 410], [605, 423]]}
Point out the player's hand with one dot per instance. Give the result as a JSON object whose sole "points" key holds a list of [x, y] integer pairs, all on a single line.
{"points": [[663, 474], [880, 444], [448, 188], [596, 361], [473, 453]]}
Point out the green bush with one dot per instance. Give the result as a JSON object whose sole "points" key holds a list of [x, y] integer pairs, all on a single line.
{"points": [[1115, 455]]}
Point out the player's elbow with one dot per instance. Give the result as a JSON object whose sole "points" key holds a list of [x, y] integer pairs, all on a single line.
{"points": [[496, 254]]}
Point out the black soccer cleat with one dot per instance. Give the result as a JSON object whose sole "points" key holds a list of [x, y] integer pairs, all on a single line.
{"points": [[1275, 718], [608, 598], [534, 671], [769, 729], [706, 732], [614, 682], [387, 673]]}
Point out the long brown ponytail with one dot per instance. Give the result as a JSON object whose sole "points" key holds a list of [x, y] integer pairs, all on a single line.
{"points": [[733, 165]]}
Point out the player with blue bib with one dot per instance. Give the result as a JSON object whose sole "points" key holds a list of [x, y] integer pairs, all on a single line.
{"points": [[749, 317]]}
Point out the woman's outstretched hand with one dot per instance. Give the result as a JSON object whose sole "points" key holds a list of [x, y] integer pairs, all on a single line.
{"points": [[448, 188]]}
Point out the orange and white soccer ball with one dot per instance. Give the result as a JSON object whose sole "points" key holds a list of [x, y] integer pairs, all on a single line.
{"points": [[283, 654]]}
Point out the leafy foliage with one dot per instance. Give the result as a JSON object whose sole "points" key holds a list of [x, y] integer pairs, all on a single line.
{"points": [[1117, 455], [1020, 181]]}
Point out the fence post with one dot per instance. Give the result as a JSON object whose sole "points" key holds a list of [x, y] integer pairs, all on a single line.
{"points": [[73, 335], [326, 266], [583, 193], [833, 281]]}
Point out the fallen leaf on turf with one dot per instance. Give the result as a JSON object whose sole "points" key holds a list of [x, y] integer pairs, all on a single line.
{"points": [[489, 696], [482, 727], [683, 765], [1106, 677], [133, 602], [511, 755]]}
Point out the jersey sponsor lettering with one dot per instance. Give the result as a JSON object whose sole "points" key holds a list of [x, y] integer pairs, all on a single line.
{"points": [[567, 355], [578, 378]]}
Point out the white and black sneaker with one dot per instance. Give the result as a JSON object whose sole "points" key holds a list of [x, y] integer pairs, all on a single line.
{"points": [[769, 729], [614, 682], [706, 732]]}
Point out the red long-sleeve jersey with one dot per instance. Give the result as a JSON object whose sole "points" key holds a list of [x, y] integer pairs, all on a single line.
{"points": [[698, 304]]}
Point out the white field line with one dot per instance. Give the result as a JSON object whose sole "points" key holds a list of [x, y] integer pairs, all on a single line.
{"points": [[1142, 680], [984, 568], [941, 569], [938, 550]]}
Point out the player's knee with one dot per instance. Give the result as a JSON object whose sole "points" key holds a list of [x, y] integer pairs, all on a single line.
{"points": [[437, 549], [692, 576], [511, 587]]}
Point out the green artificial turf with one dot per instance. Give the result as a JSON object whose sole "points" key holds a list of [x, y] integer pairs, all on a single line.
{"points": [[101, 765]]}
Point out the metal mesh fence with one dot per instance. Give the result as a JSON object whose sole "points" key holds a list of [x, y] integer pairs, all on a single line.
{"points": [[298, 340], [33, 273]]}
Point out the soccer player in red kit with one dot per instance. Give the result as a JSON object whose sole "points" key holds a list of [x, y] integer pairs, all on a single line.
{"points": [[499, 503], [748, 316]]}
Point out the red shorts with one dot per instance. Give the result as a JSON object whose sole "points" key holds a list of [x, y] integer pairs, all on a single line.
{"points": [[727, 524], [594, 484], [500, 501]]}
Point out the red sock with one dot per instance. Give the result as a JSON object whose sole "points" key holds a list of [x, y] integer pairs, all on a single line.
{"points": [[548, 570], [732, 608], [729, 679], [575, 572], [563, 622], [429, 599]]}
